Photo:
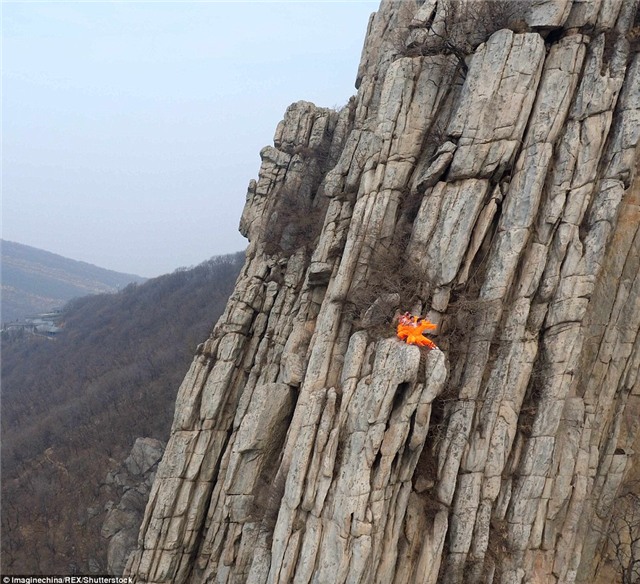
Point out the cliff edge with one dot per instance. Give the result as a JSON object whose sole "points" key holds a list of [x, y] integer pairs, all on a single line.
{"points": [[483, 175]]}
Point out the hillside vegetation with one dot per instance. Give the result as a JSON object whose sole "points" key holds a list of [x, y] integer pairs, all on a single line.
{"points": [[36, 281], [72, 408]]}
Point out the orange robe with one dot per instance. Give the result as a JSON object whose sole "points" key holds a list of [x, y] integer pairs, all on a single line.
{"points": [[412, 334]]}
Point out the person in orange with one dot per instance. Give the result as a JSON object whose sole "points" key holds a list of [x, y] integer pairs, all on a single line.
{"points": [[407, 319], [411, 331]]}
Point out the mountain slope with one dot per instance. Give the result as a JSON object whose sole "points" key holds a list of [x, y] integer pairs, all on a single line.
{"points": [[484, 176], [73, 407], [34, 280]]}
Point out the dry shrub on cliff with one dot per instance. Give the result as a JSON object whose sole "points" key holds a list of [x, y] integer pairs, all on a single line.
{"points": [[294, 223], [463, 317], [497, 547], [633, 36], [623, 535], [392, 282], [457, 27], [267, 498]]}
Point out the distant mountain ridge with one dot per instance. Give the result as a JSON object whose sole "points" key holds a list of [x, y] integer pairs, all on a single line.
{"points": [[34, 280]]}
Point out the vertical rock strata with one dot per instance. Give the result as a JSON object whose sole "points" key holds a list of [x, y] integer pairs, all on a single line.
{"points": [[496, 194]]}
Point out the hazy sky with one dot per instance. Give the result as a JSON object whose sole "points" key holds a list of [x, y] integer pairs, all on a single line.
{"points": [[131, 129]]}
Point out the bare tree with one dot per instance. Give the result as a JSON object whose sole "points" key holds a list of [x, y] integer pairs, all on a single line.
{"points": [[457, 27], [624, 537]]}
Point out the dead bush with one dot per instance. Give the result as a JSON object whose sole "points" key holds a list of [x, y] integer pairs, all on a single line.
{"points": [[296, 221], [457, 27], [623, 535], [497, 548], [267, 499], [463, 316], [392, 283]]}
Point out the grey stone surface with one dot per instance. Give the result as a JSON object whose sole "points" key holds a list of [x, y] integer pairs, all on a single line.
{"points": [[309, 445], [133, 480]]}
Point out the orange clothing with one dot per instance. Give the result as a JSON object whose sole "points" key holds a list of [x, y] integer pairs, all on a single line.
{"points": [[412, 334]]}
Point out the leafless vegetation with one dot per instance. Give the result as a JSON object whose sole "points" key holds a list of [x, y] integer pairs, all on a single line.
{"points": [[458, 325], [294, 224], [623, 535], [497, 548], [267, 499], [389, 276], [296, 221], [72, 409], [457, 27]]}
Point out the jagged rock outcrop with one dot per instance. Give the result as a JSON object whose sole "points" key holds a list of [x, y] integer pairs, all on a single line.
{"points": [[132, 481], [490, 184]]}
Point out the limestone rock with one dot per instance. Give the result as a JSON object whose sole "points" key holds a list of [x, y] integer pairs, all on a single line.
{"points": [[491, 185], [133, 481], [145, 454]]}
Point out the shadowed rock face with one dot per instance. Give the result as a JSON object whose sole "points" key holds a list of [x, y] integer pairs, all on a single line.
{"points": [[495, 195], [132, 481]]}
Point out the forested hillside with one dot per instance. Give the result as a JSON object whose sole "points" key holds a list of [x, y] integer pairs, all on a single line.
{"points": [[72, 408]]}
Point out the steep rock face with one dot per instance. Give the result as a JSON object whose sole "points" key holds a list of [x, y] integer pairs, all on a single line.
{"points": [[132, 481], [496, 193]]}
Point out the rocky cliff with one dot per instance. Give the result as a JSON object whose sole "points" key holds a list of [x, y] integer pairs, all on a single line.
{"points": [[484, 174], [132, 482]]}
